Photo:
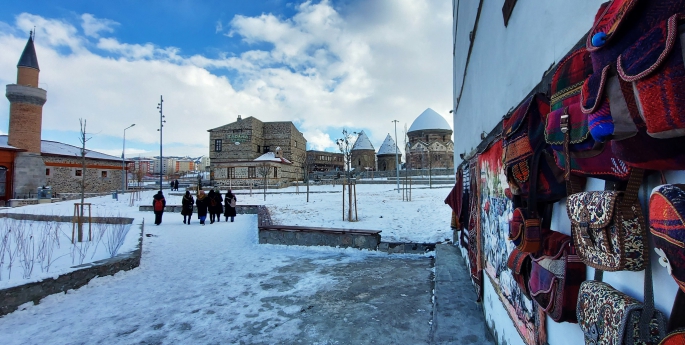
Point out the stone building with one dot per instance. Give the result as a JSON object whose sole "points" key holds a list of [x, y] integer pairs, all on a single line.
{"points": [[28, 162], [430, 142], [325, 161], [363, 155], [387, 161], [239, 144]]}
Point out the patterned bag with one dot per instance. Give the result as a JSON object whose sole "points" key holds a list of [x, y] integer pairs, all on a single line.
{"points": [[675, 338], [519, 264], [667, 224], [556, 276], [525, 230], [523, 138], [610, 317], [638, 85], [608, 227]]}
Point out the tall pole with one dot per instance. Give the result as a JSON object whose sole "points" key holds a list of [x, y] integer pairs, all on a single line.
{"points": [[161, 124], [397, 159], [123, 161]]}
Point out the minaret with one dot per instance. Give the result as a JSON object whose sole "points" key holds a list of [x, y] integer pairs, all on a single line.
{"points": [[26, 103]]}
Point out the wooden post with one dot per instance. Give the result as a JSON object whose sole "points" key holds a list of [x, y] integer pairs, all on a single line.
{"points": [[355, 202], [78, 220]]}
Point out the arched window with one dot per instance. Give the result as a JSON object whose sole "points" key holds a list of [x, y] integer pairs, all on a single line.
{"points": [[3, 181]]}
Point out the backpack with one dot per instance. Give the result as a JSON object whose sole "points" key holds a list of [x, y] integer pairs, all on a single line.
{"points": [[158, 205], [232, 202], [212, 202]]}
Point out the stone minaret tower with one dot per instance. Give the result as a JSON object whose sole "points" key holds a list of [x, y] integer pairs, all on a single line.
{"points": [[26, 116], [26, 103]]}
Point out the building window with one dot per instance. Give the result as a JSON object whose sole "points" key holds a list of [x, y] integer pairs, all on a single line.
{"points": [[47, 171], [103, 173], [251, 172], [266, 149], [78, 172], [275, 172], [231, 172], [426, 138], [507, 9], [217, 145], [259, 149], [296, 143]]}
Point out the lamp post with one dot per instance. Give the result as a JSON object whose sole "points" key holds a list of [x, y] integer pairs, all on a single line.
{"points": [[397, 160], [161, 124], [123, 161]]}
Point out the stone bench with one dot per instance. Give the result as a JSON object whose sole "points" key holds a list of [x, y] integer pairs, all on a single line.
{"points": [[316, 236]]}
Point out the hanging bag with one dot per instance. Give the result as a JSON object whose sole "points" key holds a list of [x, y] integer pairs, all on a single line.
{"points": [[556, 276], [519, 264], [608, 227]]}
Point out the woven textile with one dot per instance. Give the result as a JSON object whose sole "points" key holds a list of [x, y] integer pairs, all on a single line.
{"points": [[569, 77], [605, 237], [610, 317], [519, 264], [675, 338], [609, 18], [667, 224]]}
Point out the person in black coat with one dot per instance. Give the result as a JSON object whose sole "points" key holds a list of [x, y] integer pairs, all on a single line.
{"points": [[202, 204], [158, 204], [187, 210], [218, 205], [229, 202]]}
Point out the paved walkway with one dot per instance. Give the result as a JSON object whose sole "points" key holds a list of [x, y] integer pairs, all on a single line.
{"points": [[216, 285]]}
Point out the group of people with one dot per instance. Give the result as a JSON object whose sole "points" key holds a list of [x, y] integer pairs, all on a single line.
{"points": [[212, 203], [174, 185]]}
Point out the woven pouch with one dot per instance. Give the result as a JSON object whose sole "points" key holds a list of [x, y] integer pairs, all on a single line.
{"points": [[667, 224], [525, 231], [519, 264], [610, 317]]}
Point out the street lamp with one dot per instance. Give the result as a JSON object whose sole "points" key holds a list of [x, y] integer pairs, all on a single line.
{"points": [[161, 124], [123, 161], [397, 160]]}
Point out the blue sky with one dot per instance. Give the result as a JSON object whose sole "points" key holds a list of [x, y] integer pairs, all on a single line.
{"points": [[324, 65]]}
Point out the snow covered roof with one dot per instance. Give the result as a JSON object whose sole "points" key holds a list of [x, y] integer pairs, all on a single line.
{"points": [[362, 143], [429, 119], [388, 146], [48, 147], [271, 157]]}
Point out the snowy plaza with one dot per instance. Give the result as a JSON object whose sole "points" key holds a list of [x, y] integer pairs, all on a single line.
{"points": [[215, 284]]}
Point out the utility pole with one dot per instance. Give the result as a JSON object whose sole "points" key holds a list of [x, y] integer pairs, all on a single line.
{"points": [[397, 160], [123, 161], [161, 124]]}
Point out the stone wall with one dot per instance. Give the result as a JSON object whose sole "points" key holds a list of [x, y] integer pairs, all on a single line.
{"points": [[29, 174], [361, 159], [311, 237], [63, 179], [387, 162], [12, 298]]}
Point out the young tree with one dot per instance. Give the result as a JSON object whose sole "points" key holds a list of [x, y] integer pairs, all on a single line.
{"points": [[345, 145], [263, 171], [83, 140], [308, 165]]}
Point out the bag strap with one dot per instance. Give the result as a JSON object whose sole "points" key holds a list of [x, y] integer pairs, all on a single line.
{"points": [[533, 189], [648, 310], [573, 184]]}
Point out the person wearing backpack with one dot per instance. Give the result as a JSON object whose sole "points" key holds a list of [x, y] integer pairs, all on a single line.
{"points": [[229, 202], [158, 204], [202, 205], [187, 210]]}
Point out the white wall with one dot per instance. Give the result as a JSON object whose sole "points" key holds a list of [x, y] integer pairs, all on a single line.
{"points": [[506, 64]]}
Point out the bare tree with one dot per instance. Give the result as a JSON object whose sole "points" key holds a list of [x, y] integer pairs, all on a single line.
{"points": [[345, 145], [263, 171], [83, 140]]}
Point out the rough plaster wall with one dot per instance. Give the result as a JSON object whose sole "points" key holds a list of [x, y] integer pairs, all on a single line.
{"points": [[62, 179], [505, 65], [29, 174]]}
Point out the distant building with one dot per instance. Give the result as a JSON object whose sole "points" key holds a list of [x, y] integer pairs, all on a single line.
{"points": [[184, 165], [430, 142], [387, 161], [363, 155], [237, 148], [27, 162], [325, 161]]}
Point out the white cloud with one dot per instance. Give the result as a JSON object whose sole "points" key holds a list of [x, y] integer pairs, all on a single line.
{"points": [[93, 26], [359, 67]]}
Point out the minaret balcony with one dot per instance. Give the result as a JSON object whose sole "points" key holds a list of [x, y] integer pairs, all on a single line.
{"points": [[26, 94]]}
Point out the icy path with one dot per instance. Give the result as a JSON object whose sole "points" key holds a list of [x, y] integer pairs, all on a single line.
{"points": [[216, 285]]}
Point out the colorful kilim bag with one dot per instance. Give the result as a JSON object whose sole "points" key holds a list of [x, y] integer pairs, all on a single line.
{"points": [[667, 224], [525, 230], [675, 338], [523, 136], [610, 317], [555, 278], [638, 85], [519, 264], [568, 133], [569, 77], [609, 228]]}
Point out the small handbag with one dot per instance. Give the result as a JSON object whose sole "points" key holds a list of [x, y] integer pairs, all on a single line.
{"points": [[555, 278], [608, 227], [674, 338], [519, 264]]}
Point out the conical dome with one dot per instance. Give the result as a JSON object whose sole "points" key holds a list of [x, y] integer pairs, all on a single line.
{"points": [[429, 119], [28, 57], [388, 146], [362, 143]]}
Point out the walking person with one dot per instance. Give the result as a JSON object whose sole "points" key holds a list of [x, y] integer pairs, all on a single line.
{"points": [[158, 204], [229, 202], [211, 205], [202, 205], [187, 210], [176, 185], [218, 205]]}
